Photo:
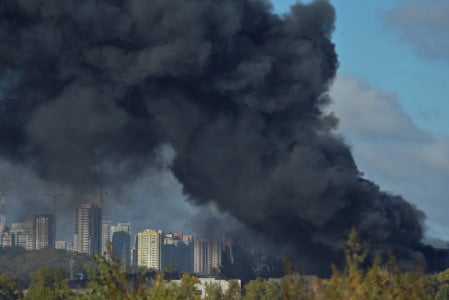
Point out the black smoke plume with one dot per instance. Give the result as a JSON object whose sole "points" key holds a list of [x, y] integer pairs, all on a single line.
{"points": [[90, 89]]}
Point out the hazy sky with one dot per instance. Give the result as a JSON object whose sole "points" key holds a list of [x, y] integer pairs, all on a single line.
{"points": [[391, 96]]}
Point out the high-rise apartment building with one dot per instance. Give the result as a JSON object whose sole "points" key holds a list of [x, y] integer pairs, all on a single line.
{"points": [[24, 234], [106, 236], [121, 247], [198, 257], [2, 214], [125, 227], [149, 249], [134, 251], [121, 240], [207, 256], [88, 228], [178, 252], [43, 232]]}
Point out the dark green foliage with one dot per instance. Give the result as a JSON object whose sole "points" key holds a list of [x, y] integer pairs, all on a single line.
{"points": [[260, 289], [10, 288], [21, 263], [214, 291], [108, 281], [48, 284]]}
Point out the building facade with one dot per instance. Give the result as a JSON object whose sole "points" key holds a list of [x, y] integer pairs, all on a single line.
{"points": [[43, 232], [7, 239], [64, 245], [24, 234], [106, 236], [125, 227], [178, 253], [149, 249], [121, 248], [207, 256], [88, 229]]}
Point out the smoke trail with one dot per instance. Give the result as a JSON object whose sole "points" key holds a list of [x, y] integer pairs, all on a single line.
{"points": [[91, 89]]}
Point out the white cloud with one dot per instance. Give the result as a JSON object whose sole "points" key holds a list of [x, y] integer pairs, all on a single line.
{"points": [[373, 113], [425, 25], [390, 149]]}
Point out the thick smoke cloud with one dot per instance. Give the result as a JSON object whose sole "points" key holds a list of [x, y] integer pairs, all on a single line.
{"points": [[91, 89]]}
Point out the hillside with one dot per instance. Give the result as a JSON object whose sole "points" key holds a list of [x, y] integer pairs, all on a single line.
{"points": [[21, 263]]}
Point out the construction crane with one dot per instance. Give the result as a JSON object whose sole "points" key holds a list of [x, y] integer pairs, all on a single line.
{"points": [[54, 196]]}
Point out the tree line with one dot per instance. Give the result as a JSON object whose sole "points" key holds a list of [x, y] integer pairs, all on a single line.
{"points": [[108, 280]]}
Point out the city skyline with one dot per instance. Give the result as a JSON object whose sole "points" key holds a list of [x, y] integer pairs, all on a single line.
{"points": [[152, 248], [65, 233]]}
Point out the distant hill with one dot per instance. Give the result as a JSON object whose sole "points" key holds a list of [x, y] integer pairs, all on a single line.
{"points": [[21, 263]]}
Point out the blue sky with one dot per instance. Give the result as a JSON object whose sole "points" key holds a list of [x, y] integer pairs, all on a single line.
{"points": [[391, 96], [374, 51]]}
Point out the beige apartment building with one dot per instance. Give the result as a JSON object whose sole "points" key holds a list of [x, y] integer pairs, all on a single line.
{"points": [[149, 249]]}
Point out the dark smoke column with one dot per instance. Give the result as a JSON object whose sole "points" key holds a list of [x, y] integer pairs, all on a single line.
{"points": [[95, 87]]}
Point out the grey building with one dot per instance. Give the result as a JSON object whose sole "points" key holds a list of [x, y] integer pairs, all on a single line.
{"points": [[88, 229], [121, 248], [44, 232]]}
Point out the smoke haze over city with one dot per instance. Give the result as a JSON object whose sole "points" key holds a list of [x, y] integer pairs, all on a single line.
{"points": [[220, 103]]}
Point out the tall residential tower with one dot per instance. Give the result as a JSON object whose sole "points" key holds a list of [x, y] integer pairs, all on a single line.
{"points": [[88, 229], [106, 237], [43, 232], [149, 249], [207, 256]]}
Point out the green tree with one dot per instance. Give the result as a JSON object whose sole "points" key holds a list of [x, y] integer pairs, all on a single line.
{"points": [[110, 282], [439, 285], [48, 284], [260, 289], [21, 263], [376, 283], [9, 287], [213, 292], [233, 291], [292, 286], [187, 290], [160, 289]]}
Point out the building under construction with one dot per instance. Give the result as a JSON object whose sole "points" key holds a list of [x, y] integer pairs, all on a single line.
{"points": [[44, 232]]}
